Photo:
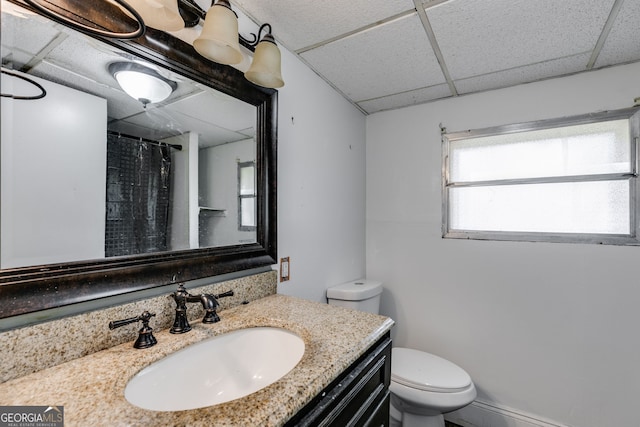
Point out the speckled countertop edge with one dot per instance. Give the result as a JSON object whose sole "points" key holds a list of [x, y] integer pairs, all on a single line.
{"points": [[91, 388]]}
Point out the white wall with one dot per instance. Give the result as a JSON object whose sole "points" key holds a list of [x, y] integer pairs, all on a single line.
{"points": [[53, 195], [218, 189], [321, 182], [547, 330], [183, 215]]}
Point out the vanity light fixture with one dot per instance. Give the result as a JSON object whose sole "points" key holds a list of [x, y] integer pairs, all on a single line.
{"points": [[161, 14], [220, 42], [142, 83], [56, 12], [265, 69]]}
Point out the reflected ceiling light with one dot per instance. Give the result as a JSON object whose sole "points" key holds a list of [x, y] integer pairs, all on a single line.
{"points": [[142, 83], [265, 69], [161, 14], [219, 39]]}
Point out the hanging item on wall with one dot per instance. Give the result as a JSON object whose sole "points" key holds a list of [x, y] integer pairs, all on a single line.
{"points": [[42, 93]]}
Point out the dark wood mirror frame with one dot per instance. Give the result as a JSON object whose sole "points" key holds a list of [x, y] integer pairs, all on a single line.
{"points": [[31, 289]]}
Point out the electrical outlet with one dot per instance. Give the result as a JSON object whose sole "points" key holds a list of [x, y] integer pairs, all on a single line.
{"points": [[284, 269]]}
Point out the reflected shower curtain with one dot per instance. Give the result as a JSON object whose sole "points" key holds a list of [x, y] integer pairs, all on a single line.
{"points": [[138, 196]]}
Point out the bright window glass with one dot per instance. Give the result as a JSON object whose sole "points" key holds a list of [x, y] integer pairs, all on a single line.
{"points": [[592, 148], [569, 180], [574, 207], [248, 206], [247, 196], [248, 180]]}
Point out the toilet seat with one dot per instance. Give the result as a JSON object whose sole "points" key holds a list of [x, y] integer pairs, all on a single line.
{"points": [[427, 372]]}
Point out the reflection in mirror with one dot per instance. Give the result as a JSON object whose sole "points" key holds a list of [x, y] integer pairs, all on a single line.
{"points": [[89, 172]]}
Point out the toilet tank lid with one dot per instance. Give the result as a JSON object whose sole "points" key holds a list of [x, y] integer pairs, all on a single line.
{"points": [[356, 290]]}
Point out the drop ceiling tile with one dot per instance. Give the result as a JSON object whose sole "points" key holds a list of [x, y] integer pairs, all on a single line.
{"points": [[479, 37], [70, 78], [138, 130], [418, 96], [298, 24], [213, 106], [209, 134], [156, 122], [96, 81], [623, 43], [161, 125], [16, 30], [390, 58], [74, 56], [120, 105], [524, 74], [80, 57]]}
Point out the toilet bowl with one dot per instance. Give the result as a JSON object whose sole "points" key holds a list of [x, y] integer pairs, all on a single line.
{"points": [[423, 386]]}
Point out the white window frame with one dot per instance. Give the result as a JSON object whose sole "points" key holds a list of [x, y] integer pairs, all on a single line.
{"points": [[632, 114], [254, 196]]}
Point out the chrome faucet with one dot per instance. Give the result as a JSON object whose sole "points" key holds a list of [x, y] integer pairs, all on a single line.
{"points": [[209, 303]]}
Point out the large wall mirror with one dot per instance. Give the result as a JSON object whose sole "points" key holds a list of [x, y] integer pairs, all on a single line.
{"points": [[104, 193]]}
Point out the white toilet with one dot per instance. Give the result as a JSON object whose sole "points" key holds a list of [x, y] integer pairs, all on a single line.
{"points": [[423, 386]]}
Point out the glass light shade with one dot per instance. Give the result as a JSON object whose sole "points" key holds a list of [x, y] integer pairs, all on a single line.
{"points": [[160, 14], [142, 83], [219, 38], [265, 69]]}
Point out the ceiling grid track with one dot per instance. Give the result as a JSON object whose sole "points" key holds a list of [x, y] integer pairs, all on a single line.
{"points": [[356, 31], [615, 9], [586, 39], [44, 52], [422, 13]]}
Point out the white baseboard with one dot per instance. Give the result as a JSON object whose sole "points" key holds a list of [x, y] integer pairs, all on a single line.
{"points": [[484, 414]]}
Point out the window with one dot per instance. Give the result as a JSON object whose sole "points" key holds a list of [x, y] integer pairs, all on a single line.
{"points": [[565, 180], [247, 196]]}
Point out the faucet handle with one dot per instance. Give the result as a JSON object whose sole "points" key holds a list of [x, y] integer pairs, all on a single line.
{"points": [[224, 294], [210, 304], [145, 334], [119, 323]]}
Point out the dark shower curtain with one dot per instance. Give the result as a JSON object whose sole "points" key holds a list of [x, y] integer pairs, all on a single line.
{"points": [[138, 194]]}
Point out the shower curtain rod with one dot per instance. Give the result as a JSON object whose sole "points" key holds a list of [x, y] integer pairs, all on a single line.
{"points": [[141, 139]]}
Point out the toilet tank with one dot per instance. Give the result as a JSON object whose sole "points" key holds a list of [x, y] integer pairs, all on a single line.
{"points": [[363, 295]]}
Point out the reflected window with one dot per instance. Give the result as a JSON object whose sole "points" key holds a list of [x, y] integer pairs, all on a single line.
{"points": [[247, 196]]}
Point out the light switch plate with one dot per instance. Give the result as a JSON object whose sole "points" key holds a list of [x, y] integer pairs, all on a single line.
{"points": [[284, 269]]}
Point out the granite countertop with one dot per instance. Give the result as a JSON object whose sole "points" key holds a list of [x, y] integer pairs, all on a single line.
{"points": [[91, 388]]}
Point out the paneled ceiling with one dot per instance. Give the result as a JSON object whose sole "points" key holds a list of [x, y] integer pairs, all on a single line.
{"points": [[387, 54], [42, 48]]}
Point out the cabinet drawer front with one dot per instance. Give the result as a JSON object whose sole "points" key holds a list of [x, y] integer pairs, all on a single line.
{"points": [[357, 398], [380, 415]]}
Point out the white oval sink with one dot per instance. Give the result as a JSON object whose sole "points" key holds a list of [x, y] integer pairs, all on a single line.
{"points": [[217, 370]]}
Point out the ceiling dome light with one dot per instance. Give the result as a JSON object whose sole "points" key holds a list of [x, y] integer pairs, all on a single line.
{"points": [[161, 14], [142, 83], [219, 39]]}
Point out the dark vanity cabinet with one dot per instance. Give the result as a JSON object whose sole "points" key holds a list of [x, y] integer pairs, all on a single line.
{"points": [[358, 397]]}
